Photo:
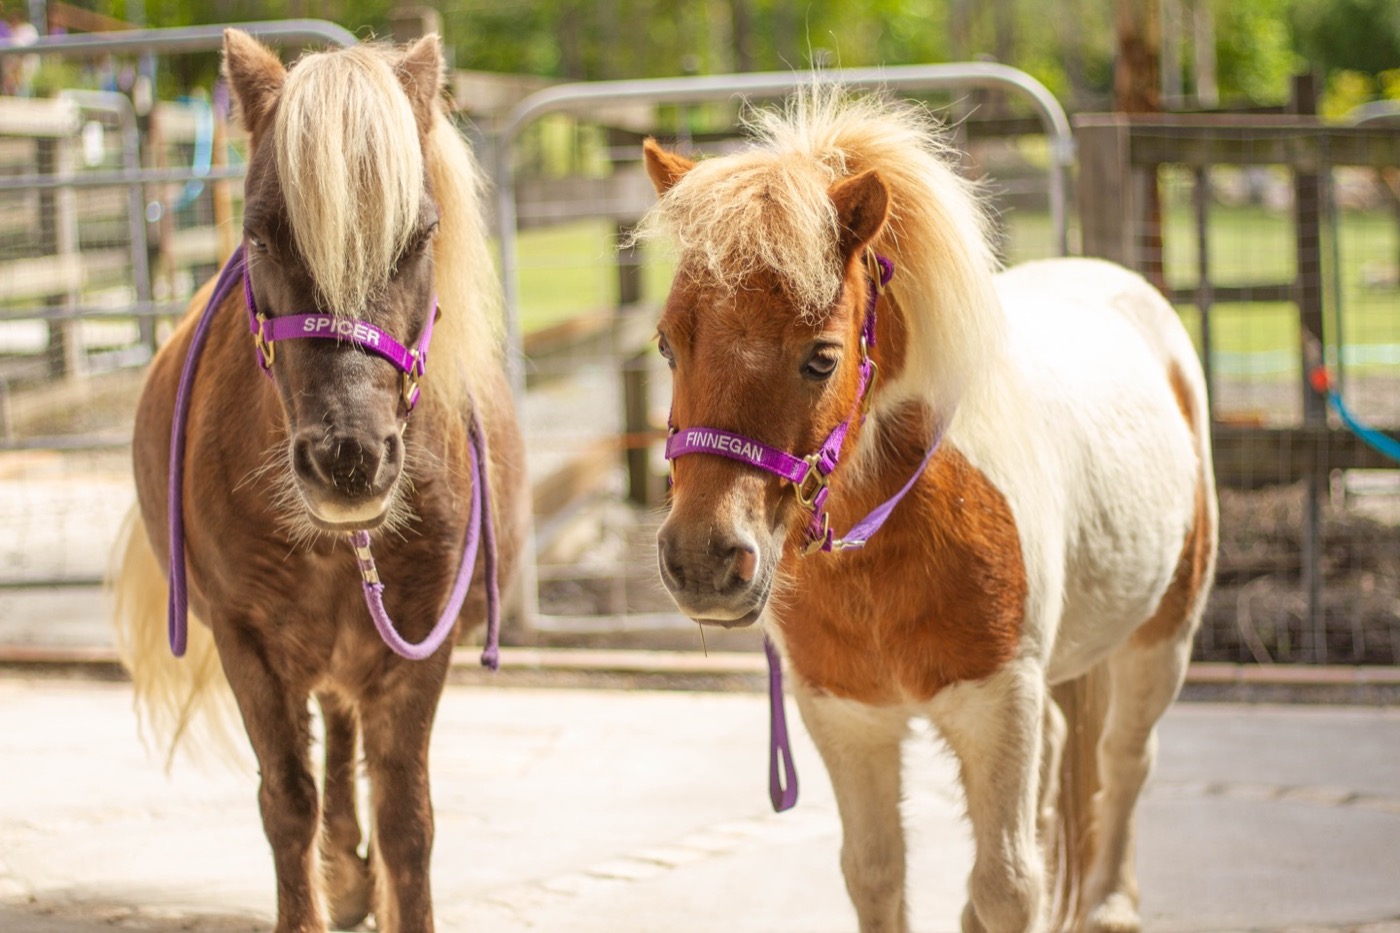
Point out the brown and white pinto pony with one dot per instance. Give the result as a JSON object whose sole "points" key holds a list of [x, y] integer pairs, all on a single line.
{"points": [[362, 201], [1036, 593]]}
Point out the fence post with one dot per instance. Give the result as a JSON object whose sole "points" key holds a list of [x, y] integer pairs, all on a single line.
{"points": [[1106, 192], [1308, 207], [636, 372], [58, 236]]}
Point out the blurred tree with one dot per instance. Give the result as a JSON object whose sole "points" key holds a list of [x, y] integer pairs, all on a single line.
{"points": [[1258, 44], [1353, 35]]}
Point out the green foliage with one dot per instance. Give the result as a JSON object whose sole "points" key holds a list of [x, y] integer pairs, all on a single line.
{"points": [[1068, 45], [1346, 90], [1255, 57], [1356, 35]]}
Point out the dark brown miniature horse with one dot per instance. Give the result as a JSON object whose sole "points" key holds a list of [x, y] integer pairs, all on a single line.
{"points": [[362, 213]]}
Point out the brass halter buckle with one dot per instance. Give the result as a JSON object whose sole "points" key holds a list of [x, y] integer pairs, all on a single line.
{"points": [[808, 500], [267, 352], [408, 387]]}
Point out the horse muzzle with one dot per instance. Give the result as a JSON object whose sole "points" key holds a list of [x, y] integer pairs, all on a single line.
{"points": [[715, 578], [348, 479]]}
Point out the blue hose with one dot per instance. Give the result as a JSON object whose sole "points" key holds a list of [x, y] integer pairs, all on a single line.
{"points": [[1381, 443]]}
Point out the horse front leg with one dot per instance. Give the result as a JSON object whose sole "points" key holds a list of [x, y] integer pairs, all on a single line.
{"points": [[278, 724], [397, 721], [994, 727], [348, 884], [861, 749]]}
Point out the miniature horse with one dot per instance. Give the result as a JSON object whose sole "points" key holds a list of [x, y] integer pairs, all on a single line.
{"points": [[1036, 446], [363, 217]]}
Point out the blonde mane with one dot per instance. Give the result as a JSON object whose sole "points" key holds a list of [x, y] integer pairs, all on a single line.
{"points": [[352, 173], [768, 207]]}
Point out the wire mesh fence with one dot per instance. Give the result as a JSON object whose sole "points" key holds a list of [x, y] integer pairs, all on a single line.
{"points": [[1280, 244]]}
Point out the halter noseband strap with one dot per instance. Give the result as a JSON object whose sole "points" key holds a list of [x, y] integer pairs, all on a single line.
{"points": [[811, 474], [267, 331]]}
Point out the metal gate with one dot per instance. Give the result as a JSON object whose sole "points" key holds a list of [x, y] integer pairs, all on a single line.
{"points": [[592, 396], [114, 207]]}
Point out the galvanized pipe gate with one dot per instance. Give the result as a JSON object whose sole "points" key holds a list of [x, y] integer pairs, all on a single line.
{"points": [[581, 98]]}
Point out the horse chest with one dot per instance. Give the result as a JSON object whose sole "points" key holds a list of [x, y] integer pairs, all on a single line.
{"points": [[938, 597]]}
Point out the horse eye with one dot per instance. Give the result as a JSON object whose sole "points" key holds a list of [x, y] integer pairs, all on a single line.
{"points": [[820, 367], [664, 346], [256, 242]]}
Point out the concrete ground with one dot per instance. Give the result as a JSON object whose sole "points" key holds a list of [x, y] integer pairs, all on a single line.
{"points": [[586, 810]]}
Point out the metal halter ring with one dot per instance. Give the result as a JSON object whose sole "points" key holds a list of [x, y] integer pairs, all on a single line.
{"points": [[872, 265], [267, 352], [809, 500]]}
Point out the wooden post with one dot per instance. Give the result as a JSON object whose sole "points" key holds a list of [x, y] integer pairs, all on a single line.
{"points": [[222, 191], [636, 371], [1137, 89], [1107, 206], [1205, 290], [1308, 208]]}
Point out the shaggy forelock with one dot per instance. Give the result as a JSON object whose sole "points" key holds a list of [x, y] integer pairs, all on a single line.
{"points": [[770, 207], [733, 217], [353, 189]]}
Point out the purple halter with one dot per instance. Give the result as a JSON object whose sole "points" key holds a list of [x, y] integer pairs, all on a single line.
{"points": [[265, 331], [809, 476]]}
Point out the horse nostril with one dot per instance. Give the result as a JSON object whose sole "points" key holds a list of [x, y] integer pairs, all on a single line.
{"points": [[672, 573], [736, 567], [306, 463], [745, 564]]}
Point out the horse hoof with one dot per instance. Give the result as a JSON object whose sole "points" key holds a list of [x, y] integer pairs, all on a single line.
{"points": [[348, 892], [1117, 914]]}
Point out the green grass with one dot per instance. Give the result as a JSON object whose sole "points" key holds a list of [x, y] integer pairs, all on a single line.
{"points": [[571, 270]]}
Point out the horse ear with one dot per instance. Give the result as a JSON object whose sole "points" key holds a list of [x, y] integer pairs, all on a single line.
{"points": [[862, 206], [420, 73], [665, 168], [255, 74]]}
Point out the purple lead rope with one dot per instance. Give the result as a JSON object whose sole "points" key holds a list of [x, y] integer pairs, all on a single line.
{"points": [[177, 605], [784, 796], [479, 532]]}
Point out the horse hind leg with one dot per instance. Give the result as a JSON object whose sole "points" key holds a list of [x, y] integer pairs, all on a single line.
{"points": [[347, 875], [1145, 675]]}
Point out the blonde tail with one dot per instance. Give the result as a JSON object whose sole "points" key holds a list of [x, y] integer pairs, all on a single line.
{"points": [[1070, 850], [180, 702]]}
